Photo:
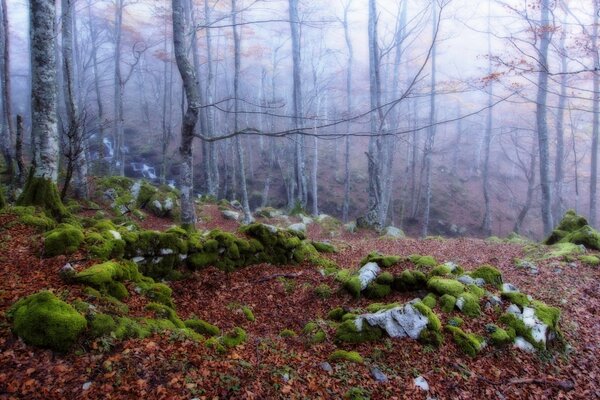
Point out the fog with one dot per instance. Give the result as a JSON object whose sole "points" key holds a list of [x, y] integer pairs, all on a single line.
{"points": [[442, 124]]}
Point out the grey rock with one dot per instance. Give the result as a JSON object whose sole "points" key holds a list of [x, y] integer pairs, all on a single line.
{"points": [[231, 215], [236, 204], [398, 322], [421, 383], [87, 385], [393, 232], [378, 375], [479, 282], [367, 274], [325, 366], [67, 272], [466, 280], [509, 288], [299, 227]]}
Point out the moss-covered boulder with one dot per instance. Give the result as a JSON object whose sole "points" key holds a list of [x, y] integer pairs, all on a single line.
{"points": [[469, 343], [444, 286], [384, 261], [489, 274], [64, 239], [410, 280], [44, 320], [574, 229]]}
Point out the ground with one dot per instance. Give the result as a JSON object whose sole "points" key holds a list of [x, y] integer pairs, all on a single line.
{"points": [[283, 297]]}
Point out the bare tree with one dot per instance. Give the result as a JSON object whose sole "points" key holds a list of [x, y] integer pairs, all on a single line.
{"points": [[6, 117]]}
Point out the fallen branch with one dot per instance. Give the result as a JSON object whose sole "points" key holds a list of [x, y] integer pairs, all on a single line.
{"points": [[563, 385], [269, 277]]}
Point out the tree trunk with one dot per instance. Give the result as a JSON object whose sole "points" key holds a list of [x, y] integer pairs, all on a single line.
{"points": [[19, 151], [6, 118], [346, 206], [530, 189], [486, 225], [118, 132], [188, 210], [559, 206], [541, 115], [596, 118], [210, 113], [40, 188]]}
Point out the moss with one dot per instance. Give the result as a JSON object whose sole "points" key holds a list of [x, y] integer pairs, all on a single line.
{"points": [[215, 344], [102, 325], [342, 355], [3, 202], [377, 291], [410, 280], [117, 290], [100, 275], [423, 262], [574, 229], [347, 332], [303, 251], [441, 270], [336, 314], [343, 275], [547, 314], [455, 321], [323, 291], [43, 193], [234, 338], [248, 313], [287, 333], [323, 247], [353, 286], [201, 260], [430, 300], [443, 286], [476, 291], [447, 303], [498, 336], [469, 343], [39, 221], [433, 320], [382, 260], [314, 332], [42, 319], [64, 239], [145, 194], [593, 261], [357, 393], [163, 312], [129, 328], [375, 307], [385, 278], [489, 274], [470, 304], [202, 327], [160, 293], [520, 299]]}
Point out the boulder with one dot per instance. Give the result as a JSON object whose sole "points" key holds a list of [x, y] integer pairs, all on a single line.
{"points": [[367, 274], [231, 215], [398, 322], [393, 232], [299, 227]]}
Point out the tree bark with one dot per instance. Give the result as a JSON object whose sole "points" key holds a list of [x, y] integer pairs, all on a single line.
{"points": [[188, 210], [487, 214], [595, 118], [346, 205], [6, 117]]}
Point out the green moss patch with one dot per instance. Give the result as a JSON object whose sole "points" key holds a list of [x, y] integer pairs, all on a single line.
{"points": [[574, 229], [64, 239], [44, 320], [423, 262], [469, 343], [342, 355], [348, 332], [443, 286], [489, 274], [592, 261], [202, 327], [382, 260], [410, 280]]}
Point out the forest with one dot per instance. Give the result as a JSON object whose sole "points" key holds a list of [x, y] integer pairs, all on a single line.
{"points": [[256, 199]]}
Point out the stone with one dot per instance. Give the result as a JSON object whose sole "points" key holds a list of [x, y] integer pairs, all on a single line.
{"points": [[231, 215], [522, 344], [451, 265], [87, 385], [421, 383], [350, 227], [138, 259], [115, 234], [479, 282], [367, 274], [466, 280], [135, 189], [494, 300], [393, 232], [325, 366], [67, 272], [509, 288], [378, 375], [299, 227], [236, 204], [306, 220], [398, 322]]}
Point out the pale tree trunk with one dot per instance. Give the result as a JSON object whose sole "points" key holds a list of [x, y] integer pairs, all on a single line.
{"points": [[430, 133], [118, 132], [346, 206], [19, 150], [541, 115], [40, 188], [76, 161], [486, 226], [300, 168], [166, 108], [6, 118], [188, 210], [596, 118], [237, 41], [559, 205], [213, 188], [530, 174]]}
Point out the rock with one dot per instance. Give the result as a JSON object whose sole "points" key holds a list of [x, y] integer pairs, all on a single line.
{"points": [[479, 282], [451, 265], [513, 309], [398, 322], [135, 189], [509, 288], [322, 217], [236, 204], [393, 232], [299, 227], [325, 366], [115, 234], [67, 272], [421, 383], [494, 300], [466, 280], [87, 385], [378, 375], [138, 259], [367, 274], [524, 345], [231, 215], [306, 220]]}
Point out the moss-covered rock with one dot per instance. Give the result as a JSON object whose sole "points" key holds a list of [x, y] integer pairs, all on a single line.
{"points": [[64, 239], [287, 333], [375, 290], [444, 286], [348, 332], [489, 274], [441, 270], [430, 300], [590, 260], [498, 336], [574, 229], [202, 327], [323, 247], [469, 343], [423, 262], [353, 286], [43, 193], [409, 281], [336, 314], [433, 333], [234, 337], [342, 355], [382, 260], [518, 298], [44, 320], [468, 303], [447, 303], [102, 325]]}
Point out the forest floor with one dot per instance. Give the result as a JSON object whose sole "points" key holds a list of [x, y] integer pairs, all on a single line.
{"points": [[269, 366]]}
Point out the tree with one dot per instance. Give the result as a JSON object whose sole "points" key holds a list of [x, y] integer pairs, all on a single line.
{"points": [[6, 118], [346, 205], [188, 210], [40, 188], [596, 116], [487, 214]]}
